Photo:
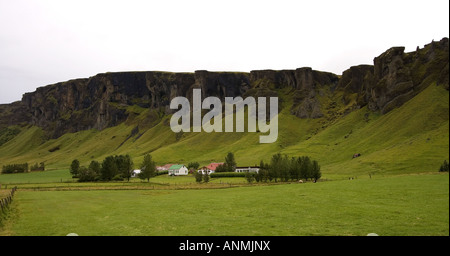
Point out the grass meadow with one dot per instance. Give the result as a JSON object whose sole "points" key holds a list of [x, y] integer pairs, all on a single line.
{"points": [[403, 205], [402, 151]]}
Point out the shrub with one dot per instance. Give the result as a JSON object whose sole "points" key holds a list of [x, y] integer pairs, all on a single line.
{"points": [[161, 172], [250, 177], [118, 177], [227, 174]]}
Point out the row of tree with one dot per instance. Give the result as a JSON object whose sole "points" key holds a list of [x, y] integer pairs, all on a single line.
{"points": [[281, 168], [285, 168], [117, 167], [20, 168], [15, 168]]}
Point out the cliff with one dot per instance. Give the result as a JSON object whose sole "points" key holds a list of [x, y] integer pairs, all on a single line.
{"points": [[108, 99], [396, 76]]}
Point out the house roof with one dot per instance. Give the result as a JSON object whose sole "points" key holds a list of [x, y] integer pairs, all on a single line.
{"points": [[176, 166], [164, 167], [213, 166]]}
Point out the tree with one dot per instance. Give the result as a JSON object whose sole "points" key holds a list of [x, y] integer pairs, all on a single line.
{"points": [[230, 162], [305, 169], [193, 165], [91, 173], [95, 169], [222, 168], [198, 176], [295, 166], [83, 174], [124, 166], [263, 172], [444, 167], [285, 168], [315, 171], [88, 174], [74, 168], [109, 168], [15, 168], [206, 177], [148, 168], [275, 167]]}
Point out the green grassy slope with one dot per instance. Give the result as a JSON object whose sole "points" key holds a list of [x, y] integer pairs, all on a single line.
{"points": [[412, 138]]}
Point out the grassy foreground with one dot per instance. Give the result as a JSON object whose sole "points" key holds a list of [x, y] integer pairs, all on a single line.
{"points": [[406, 205]]}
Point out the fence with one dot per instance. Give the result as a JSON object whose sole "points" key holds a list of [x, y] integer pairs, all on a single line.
{"points": [[4, 202]]}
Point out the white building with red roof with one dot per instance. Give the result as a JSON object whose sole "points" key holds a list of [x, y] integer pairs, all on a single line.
{"points": [[210, 168]]}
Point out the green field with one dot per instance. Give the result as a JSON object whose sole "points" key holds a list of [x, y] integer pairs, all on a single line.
{"points": [[404, 205], [401, 150]]}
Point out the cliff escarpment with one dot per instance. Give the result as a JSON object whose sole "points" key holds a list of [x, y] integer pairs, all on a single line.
{"points": [[397, 76], [108, 99]]}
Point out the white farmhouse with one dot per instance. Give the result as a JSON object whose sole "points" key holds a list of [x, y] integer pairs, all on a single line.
{"points": [[178, 169]]}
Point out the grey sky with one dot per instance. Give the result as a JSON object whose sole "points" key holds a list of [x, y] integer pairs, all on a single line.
{"points": [[48, 41]]}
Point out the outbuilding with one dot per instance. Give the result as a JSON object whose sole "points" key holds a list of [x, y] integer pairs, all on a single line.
{"points": [[135, 173], [247, 169]]}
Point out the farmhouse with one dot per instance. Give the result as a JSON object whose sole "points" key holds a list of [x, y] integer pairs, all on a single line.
{"points": [[209, 169], [178, 169], [247, 169]]}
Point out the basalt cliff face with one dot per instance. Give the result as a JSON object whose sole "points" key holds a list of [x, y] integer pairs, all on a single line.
{"points": [[108, 99], [397, 76]]}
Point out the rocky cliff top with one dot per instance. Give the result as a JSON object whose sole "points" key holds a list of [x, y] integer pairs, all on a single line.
{"points": [[104, 100]]}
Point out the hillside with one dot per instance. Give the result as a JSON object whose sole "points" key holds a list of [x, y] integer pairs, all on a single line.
{"points": [[394, 113]]}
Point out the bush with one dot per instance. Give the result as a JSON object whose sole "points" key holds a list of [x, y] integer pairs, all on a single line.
{"points": [[118, 177], [250, 177]]}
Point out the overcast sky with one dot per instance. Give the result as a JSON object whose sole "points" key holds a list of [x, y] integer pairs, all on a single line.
{"points": [[48, 41]]}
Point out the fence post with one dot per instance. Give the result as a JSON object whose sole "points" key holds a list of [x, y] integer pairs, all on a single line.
{"points": [[4, 202]]}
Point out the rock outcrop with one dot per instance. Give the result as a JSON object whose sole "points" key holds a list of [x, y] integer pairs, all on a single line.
{"points": [[396, 76], [304, 81], [108, 99]]}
